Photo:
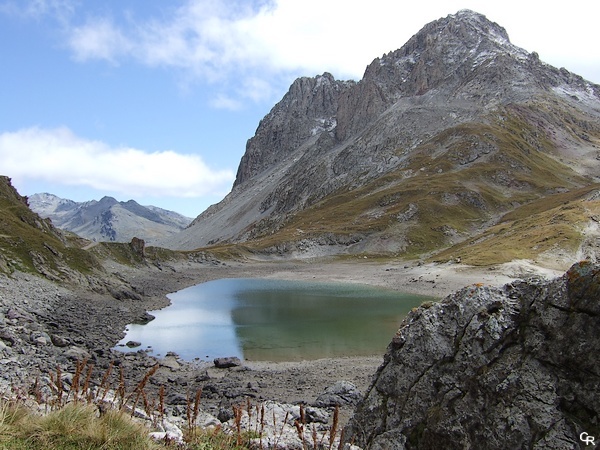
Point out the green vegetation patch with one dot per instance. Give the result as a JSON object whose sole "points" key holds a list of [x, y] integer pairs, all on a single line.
{"points": [[31, 244], [74, 426], [550, 224]]}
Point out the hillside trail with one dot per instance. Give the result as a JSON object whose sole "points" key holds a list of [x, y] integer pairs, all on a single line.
{"points": [[90, 246]]}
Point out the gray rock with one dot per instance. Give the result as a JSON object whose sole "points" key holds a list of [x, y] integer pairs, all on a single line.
{"points": [[59, 341], [77, 354], [175, 398], [341, 393], [144, 319], [170, 361], [40, 338], [202, 376], [8, 337], [227, 362], [511, 367], [133, 344]]}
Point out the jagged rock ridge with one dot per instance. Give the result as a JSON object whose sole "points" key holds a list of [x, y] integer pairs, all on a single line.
{"points": [[459, 126], [492, 368], [307, 110], [108, 219]]}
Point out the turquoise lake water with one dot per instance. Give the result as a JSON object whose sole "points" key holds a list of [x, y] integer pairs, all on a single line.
{"points": [[274, 320]]}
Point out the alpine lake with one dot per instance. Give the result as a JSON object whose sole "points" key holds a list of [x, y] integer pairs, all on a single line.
{"points": [[273, 320]]}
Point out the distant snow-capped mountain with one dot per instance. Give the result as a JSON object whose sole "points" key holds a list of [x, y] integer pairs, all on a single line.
{"points": [[108, 219]]}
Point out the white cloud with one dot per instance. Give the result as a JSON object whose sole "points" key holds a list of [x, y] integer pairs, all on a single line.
{"points": [[223, 101], [230, 43], [99, 39], [59, 156], [61, 10], [217, 38]]}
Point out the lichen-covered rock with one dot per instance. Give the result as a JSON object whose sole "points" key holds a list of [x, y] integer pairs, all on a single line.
{"points": [[495, 368]]}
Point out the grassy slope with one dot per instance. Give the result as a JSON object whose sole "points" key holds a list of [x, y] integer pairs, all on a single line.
{"points": [[30, 244], [458, 196]]}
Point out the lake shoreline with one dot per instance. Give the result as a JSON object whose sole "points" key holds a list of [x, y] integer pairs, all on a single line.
{"points": [[271, 319], [300, 381], [86, 324]]}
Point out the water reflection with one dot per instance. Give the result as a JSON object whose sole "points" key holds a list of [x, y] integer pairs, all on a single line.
{"points": [[275, 320]]}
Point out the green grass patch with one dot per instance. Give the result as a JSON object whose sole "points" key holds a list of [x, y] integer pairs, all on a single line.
{"points": [[74, 426], [552, 223]]}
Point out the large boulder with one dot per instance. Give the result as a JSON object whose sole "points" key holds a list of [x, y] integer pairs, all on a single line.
{"points": [[495, 368]]}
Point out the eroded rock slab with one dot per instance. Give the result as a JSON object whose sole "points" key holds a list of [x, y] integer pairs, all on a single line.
{"points": [[495, 368]]}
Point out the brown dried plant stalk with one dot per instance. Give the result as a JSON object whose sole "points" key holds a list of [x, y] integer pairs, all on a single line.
{"points": [[237, 414], [121, 388], [196, 405], [104, 384], [79, 367], [59, 386], [161, 402], [334, 425], [299, 425], [140, 388], [86, 391]]}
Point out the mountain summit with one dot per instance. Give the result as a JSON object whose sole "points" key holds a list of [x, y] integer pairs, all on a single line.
{"points": [[437, 143]]}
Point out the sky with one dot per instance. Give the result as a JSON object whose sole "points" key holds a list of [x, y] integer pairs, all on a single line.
{"points": [[154, 100]]}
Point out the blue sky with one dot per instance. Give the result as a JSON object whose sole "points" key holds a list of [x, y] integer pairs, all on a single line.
{"points": [[155, 100]]}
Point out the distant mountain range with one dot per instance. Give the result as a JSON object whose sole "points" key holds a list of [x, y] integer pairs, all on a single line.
{"points": [[108, 219], [457, 145]]}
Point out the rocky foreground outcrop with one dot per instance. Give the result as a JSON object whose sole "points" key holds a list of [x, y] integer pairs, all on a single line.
{"points": [[496, 368]]}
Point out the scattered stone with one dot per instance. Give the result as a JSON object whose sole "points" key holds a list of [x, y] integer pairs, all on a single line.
{"points": [[203, 376], [144, 319], [225, 415], [59, 341], [133, 344], [138, 246], [8, 337], [316, 415], [227, 362], [175, 398], [77, 354], [170, 362], [40, 340], [341, 393]]}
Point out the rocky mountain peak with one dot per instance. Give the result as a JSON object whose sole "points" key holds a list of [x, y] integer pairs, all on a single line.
{"points": [[457, 103], [445, 51], [464, 32], [307, 109]]}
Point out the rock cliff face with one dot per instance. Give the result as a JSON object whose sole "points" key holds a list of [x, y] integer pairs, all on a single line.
{"points": [[491, 368], [307, 110], [458, 124]]}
